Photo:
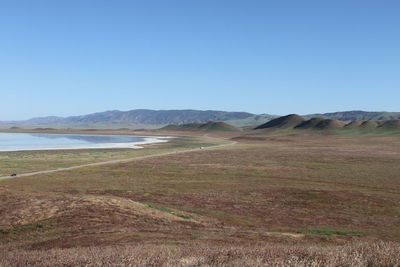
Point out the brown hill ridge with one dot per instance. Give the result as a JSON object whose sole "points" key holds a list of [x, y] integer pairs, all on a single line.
{"points": [[390, 125], [289, 121], [294, 121], [320, 124], [354, 124], [297, 122], [311, 123], [369, 124], [330, 124]]}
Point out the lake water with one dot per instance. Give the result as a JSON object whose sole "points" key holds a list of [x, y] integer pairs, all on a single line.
{"points": [[27, 141]]}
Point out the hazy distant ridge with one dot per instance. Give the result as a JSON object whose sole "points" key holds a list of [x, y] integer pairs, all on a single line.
{"points": [[157, 118], [358, 115], [139, 117]]}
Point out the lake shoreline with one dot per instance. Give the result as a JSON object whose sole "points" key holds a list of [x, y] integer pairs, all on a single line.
{"points": [[146, 140]]}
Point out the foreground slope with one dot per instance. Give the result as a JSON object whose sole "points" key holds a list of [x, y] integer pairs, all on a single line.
{"points": [[361, 254], [298, 193], [276, 189]]}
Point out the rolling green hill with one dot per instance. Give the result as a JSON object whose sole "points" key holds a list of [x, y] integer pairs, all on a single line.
{"points": [[252, 120], [209, 126]]}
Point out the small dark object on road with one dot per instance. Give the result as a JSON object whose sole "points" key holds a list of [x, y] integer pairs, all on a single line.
{"points": [[13, 174]]}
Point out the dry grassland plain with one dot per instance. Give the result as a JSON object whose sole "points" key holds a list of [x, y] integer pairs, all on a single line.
{"points": [[278, 201]]}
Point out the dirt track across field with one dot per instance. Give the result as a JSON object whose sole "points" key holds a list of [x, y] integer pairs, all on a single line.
{"points": [[112, 162]]}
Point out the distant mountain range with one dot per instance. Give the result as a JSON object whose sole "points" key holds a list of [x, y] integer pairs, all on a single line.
{"points": [[134, 118], [144, 118], [357, 115]]}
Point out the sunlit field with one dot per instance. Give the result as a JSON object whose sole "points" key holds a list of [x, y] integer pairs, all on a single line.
{"points": [[295, 191]]}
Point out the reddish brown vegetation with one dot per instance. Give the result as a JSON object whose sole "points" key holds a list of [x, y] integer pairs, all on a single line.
{"points": [[363, 254], [226, 206]]}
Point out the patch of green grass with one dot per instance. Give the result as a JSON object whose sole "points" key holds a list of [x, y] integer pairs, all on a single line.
{"points": [[311, 195], [205, 127], [357, 132], [26, 227], [157, 207], [328, 231], [184, 216]]}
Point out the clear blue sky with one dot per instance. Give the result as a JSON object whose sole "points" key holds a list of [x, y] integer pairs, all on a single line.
{"points": [[71, 57]]}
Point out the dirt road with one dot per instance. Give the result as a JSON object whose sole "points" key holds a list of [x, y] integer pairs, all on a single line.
{"points": [[112, 162]]}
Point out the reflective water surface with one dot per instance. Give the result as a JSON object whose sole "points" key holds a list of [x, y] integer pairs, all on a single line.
{"points": [[26, 141]]}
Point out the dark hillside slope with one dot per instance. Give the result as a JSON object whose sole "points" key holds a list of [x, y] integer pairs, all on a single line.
{"points": [[320, 124], [285, 122], [354, 124], [309, 124], [329, 124]]}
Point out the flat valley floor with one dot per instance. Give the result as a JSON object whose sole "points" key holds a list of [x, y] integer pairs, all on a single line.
{"points": [[258, 201]]}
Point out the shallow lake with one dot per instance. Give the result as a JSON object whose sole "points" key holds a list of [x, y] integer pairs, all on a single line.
{"points": [[34, 141]]}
